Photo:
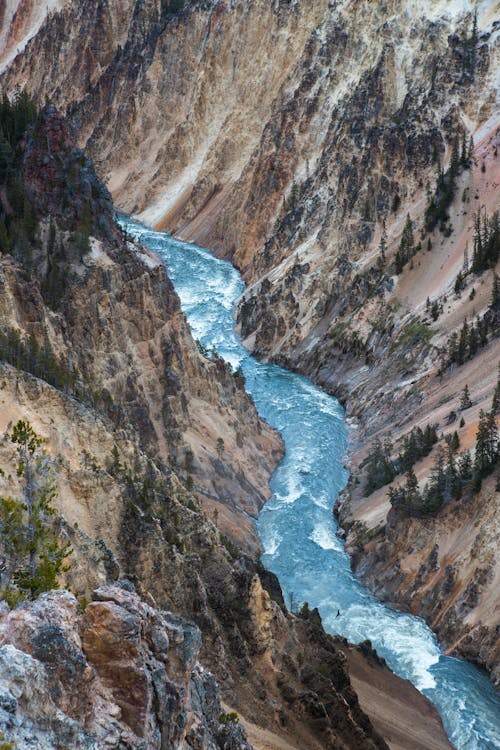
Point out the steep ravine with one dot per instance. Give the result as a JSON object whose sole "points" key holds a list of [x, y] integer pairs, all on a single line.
{"points": [[289, 162], [296, 526], [96, 355], [284, 135]]}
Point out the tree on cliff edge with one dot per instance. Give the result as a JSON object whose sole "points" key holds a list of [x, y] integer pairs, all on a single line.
{"points": [[31, 556]]}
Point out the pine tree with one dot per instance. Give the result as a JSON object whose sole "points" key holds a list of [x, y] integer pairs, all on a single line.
{"points": [[465, 400], [379, 467], [455, 442], [492, 432], [495, 293], [463, 156], [383, 245], [465, 466], [406, 246], [495, 404], [462, 343], [31, 556], [482, 458], [412, 494], [473, 341], [453, 481], [435, 493]]}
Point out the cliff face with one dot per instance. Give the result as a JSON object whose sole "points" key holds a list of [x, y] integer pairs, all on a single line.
{"points": [[120, 674]]}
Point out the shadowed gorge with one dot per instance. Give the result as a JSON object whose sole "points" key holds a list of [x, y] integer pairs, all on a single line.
{"points": [[343, 156]]}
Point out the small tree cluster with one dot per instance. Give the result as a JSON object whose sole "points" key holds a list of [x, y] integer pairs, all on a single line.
{"points": [[381, 469], [465, 399], [486, 242], [487, 448], [473, 336], [439, 202], [446, 483], [28, 355], [451, 477], [407, 248], [416, 445], [18, 221]]}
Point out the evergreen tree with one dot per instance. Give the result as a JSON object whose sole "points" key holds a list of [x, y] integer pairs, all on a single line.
{"points": [[379, 467], [406, 246], [383, 245], [453, 488], [495, 293], [487, 449], [412, 494], [465, 466], [31, 556], [435, 493], [473, 341], [465, 399], [495, 404]]}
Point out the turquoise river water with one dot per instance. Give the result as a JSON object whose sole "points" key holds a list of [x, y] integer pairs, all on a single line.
{"points": [[297, 527]]}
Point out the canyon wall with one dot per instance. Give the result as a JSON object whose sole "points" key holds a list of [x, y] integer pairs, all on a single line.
{"points": [[295, 139]]}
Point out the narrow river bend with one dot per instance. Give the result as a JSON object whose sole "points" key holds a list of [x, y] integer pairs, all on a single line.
{"points": [[297, 527]]}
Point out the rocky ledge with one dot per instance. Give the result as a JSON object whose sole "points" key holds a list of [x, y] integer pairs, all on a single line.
{"points": [[119, 674]]}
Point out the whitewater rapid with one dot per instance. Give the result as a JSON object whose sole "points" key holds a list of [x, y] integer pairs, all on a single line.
{"points": [[297, 527]]}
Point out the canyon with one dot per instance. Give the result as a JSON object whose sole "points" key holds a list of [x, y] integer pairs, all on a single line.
{"points": [[98, 358], [293, 139]]}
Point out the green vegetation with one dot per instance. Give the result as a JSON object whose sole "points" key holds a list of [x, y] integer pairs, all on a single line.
{"points": [[49, 198], [438, 203], [230, 717], [407, 248], [415, 332], [39, 360], [31, 555], [465, 399], [486, 242], [381, 469], [464, 345], [473, 336], [450, 478], [18, 221]]}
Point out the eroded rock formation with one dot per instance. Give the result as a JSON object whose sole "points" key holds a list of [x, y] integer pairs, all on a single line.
{"points": [[121, 674]]}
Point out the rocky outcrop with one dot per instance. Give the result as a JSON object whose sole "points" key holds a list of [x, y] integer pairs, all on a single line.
{"points": [[121, 674]]}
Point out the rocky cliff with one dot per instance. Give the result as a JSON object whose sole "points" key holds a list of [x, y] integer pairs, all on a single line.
{"points": [[121, 674], [296, 139]]}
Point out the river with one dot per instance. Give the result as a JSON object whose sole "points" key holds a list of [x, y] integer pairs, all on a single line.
{"points": [[297, 527]]}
